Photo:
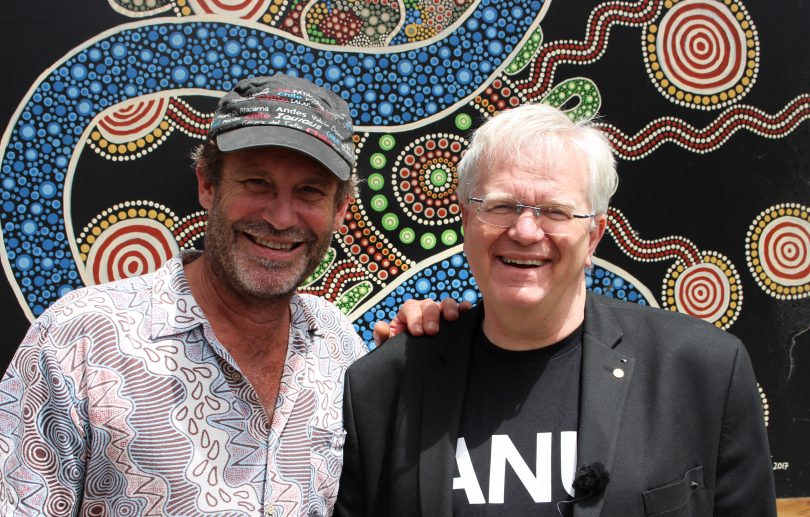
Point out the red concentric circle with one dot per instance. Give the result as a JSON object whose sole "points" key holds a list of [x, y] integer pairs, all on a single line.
{"points": [[785, 250], [703, 291], [701, 46], [130, 248]]}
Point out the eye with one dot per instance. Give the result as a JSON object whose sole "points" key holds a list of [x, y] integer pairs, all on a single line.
{"points": [[556, 213], [255, 185], [311, 193], [499, 207]]}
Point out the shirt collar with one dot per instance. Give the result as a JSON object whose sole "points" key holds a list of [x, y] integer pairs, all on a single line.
{"points": [[175, 311]]}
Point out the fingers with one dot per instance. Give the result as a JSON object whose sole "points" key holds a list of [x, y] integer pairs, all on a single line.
{"points": [[451, 309], [419, 317], [431, 315], [381, 333]]}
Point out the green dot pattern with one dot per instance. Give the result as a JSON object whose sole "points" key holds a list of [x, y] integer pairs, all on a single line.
{"points": [[387, 142], [584, 90], [428, 241], [379, 202], [407, 235], [463, 121], [377, 160], [376, 181], [438, 177], [353, 296], [526, 53], [390, 221]]}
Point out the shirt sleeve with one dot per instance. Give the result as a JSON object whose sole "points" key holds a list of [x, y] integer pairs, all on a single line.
{"points": [[745, 484], [42, 437]]}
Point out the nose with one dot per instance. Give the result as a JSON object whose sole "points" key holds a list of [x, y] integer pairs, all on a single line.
{"points": [[527, 229], [279, 211]]}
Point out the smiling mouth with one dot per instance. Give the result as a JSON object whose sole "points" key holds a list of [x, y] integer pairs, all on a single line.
{"points": [[523, 263], [281, 246]]}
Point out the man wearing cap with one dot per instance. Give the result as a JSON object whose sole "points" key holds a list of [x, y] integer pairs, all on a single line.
{"points": [[208, 387]]}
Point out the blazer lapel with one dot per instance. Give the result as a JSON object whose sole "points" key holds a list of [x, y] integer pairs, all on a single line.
{"points": [[442, 404], [606, 378]]}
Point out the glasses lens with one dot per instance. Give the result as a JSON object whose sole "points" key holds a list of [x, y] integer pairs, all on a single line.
{"points": [[552, 219], [498, 212]]}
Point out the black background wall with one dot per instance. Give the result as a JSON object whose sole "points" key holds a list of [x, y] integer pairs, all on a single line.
{"points": [[711, 216]]}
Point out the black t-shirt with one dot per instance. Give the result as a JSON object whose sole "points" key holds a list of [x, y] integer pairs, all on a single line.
{"points": [[516, 454]]}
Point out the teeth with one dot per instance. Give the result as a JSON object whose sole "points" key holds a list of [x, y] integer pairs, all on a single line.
{"points": [[523, 262], [272, 245]]}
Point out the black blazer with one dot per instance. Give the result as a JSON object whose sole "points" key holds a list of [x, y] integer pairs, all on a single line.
{"points": [[680, 429]]}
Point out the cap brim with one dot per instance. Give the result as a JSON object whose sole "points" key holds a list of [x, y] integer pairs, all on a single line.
{"points": [[278, 136]]}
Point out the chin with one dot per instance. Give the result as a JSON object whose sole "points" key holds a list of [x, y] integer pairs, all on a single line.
{"points": [[519, 298], [268, 284]]}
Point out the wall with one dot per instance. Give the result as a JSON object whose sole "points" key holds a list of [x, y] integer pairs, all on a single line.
{"points": [[706, 102]]}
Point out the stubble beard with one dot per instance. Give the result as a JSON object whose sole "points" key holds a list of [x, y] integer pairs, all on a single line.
{"points": [[258, 277]]}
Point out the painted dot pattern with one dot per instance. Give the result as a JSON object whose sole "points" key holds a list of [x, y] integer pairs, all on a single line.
{"points": [[710, 290], [139, 8], [424, 179], [777, 249], [451, 277], [127, 240], [142, 59], [703, 54]]}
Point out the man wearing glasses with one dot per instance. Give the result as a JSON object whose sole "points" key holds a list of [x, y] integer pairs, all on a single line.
{"points": [[546, 400]]}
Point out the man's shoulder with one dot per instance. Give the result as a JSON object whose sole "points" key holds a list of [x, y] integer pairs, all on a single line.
{"points": [[404, 350], [317, 304], [313, 313], [638, 312], [661, 327], [319, 311], [81, 296], [120, 297]]}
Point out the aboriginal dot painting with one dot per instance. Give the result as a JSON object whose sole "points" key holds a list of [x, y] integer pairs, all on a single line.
{"points": [[705, 102]]}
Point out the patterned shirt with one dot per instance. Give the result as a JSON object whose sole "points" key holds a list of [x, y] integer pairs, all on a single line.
{"points": [[121, 401]]}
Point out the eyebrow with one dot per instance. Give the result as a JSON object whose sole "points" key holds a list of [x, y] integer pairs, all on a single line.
{"points": [[304, 178], [503, 196]]}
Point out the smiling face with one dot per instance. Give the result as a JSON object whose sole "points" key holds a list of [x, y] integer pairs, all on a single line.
{"points": [[521, 267], [270, 219]]}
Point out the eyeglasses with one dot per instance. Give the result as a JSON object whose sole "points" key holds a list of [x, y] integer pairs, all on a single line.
{"points": [[505, 212]]}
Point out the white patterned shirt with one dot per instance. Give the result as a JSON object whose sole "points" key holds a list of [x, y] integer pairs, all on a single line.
{"points": [[120, 401]]}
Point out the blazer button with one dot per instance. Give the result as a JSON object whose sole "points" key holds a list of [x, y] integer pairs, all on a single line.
{"points": [[618, 373]]}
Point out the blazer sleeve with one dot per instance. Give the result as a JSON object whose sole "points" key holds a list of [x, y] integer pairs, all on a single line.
{"points": [[745, 484], [351, 498]]}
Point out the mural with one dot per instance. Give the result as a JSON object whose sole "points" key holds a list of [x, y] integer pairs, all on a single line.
{"points": [[706, 103]]}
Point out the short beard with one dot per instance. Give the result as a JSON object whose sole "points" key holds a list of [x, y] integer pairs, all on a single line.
{"points": [[250, 279]]}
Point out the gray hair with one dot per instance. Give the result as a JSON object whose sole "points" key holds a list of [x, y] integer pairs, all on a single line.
{"points": [[208, 158], [547, 131]]}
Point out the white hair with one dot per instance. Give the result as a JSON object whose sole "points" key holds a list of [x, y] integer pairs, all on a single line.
{"points": [[547, 132]]}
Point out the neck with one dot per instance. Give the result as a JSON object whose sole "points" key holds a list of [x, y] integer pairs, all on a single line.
{"points": [[238, 320], [536, 327]]}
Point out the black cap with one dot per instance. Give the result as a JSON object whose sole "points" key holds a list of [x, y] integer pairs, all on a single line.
{"points": [[285, 111]]}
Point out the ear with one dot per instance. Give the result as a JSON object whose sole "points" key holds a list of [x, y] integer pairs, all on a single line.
{"points": [[595, 236], [465, 215], [340, 213], [205, 189]]}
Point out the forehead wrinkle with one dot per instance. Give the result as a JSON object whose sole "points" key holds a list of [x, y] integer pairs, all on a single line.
{"points": [[305, 175], [549, 197]]}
